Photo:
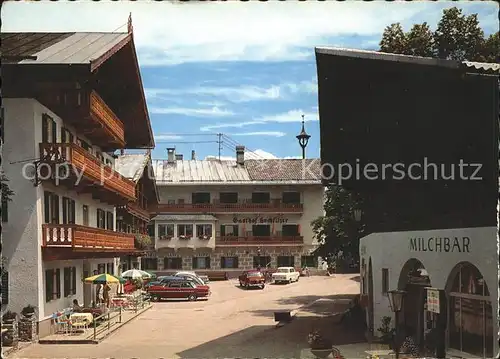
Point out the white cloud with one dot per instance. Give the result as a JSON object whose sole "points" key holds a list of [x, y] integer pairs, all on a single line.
{"points": [[260, 133], [290, 116], [193, 112], [167, 136], [227, 31], [258, 154], [238, 94]]}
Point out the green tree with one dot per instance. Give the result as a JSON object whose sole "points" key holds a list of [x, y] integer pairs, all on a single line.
{"points": [[457, 37], [338, 231]]}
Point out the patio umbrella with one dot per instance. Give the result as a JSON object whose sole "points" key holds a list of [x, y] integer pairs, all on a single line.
{"points": [[135, 273], [104, 278]]}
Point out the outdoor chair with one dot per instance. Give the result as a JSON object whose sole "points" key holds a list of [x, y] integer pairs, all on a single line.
{"points": [[79, 323], [61, 323]]}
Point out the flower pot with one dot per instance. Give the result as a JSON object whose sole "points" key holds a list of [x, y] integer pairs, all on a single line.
{"points": [[321, 353]]}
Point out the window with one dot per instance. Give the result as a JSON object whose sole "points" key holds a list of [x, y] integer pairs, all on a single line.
{"points": [[151, 230], [149, 263], [229, 230], [66, 136], [290, 230], [85, 145], [110, 218], [51, 207], [5, 288], [308, 261], [175, 284], [261, 197], [69, 281], [101, 268], [285, 261], [100, 156], [291, 197], [201, 262], [204, 231], [180, 201], [68, 210], [171, 201], [261, 230], [49, 129], [385, 281], [172, 263], [165, 231], [184, 230], [85, 215], [101, 219], [229, 262], [261, 261], [5, 210], [228, 197], [110, 268], [52, 284], [200, 198]]}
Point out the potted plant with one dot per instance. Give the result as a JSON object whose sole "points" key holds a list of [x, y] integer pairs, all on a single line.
{"points": [[28, 311], [9, 317], [387, 333], [320, 346]]}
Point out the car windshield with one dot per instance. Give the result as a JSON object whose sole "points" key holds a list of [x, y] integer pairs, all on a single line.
{"points": [[283, 270], [254, 274]]}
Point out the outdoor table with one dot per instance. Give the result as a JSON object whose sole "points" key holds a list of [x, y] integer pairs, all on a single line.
{"points": [[88, 317], [380, 353]]}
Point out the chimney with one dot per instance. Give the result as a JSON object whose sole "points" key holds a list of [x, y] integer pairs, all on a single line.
{"points": [[240, 155], [179, 157], [171, 155], [193, 155]]}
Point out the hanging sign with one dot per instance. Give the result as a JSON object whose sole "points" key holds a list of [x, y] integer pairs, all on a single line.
{"points": [[433, 300]]}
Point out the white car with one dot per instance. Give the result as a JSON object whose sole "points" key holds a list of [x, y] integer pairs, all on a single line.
{"points": [[203, 278], [286, 275]]}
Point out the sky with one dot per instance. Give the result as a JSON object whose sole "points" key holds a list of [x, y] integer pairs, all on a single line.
{"points": [[243, 69]]}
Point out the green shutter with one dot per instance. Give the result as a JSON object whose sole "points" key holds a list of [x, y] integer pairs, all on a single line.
{"points": [[195, 263]]}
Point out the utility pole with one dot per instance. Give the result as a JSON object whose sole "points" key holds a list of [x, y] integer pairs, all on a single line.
{"points": [[219, 141]]}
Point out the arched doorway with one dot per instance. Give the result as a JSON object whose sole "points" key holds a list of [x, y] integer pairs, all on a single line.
{"points": [[371, 317], [414, 279], [470, 311]]}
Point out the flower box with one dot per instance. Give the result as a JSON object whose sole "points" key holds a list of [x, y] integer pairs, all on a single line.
{"points": [[204, 237], [185, 237], [166, 238]]}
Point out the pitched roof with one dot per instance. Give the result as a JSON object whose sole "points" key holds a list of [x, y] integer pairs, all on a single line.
{"points": [[481, 67], [132, 166], [59, 48], [265, 171]]}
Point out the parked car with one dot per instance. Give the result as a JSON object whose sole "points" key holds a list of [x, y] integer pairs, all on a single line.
{"points": [[203, 277], [252, 278], [164, 280], [178, 289], [286, 275]]}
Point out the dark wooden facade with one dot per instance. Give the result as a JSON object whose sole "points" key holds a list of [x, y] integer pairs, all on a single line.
{"points": [[387, 112]]}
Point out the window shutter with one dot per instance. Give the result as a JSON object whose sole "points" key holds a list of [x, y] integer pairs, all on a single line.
{"points": [[65, 210], [222, 231], [73, 280], [223, 262], [195, 263], [98, 218], [63, 135], [72, 211], [54, 131], [58, 283], [45, 128], [46, 204], [55, 208], [235, 231], [5, 288], [67, 278], [207, 262], [49, 284]]}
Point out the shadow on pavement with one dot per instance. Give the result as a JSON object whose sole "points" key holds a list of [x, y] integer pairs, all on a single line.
{"points": [[289, 341], [356, 278]]}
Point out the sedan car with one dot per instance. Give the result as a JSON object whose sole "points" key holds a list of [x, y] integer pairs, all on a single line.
{"points": [[286, 275], [252, 278], [203, 277], [179, 289]]}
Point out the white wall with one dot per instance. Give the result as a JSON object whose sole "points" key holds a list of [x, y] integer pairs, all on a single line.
{"points": [[22, 233], [392, 251]]}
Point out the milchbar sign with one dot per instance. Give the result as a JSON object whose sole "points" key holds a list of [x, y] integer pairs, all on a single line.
{"points": [[440, 244], [263, 220]]}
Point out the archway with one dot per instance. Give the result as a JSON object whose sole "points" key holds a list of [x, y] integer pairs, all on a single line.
{"points": [[470, 311], [371, 316], [414, 279]]}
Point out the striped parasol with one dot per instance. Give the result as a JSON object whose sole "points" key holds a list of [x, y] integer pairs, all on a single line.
{"points": [[136, 273], [104, 278]]}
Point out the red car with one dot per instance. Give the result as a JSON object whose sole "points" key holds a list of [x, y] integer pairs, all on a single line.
{"points": [[252, 278], [178, 289]]}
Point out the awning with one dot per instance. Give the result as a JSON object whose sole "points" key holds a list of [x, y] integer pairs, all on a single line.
{"points": [[186, 217]]}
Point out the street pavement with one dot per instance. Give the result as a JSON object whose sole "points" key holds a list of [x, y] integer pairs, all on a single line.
{"points": [[233, 323]]}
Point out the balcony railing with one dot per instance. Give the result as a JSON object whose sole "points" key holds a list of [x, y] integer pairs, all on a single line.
{"points": [[81, 161], [274, 205], [193, 243], [259, 240], [137, 211], [86, 238], [103, 115]]}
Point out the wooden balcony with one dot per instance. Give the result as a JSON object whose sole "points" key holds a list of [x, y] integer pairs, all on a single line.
{"points": [[87, 239], [87, 112], [96, 178], [275, 206], [232, 241], [137, 211]]}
